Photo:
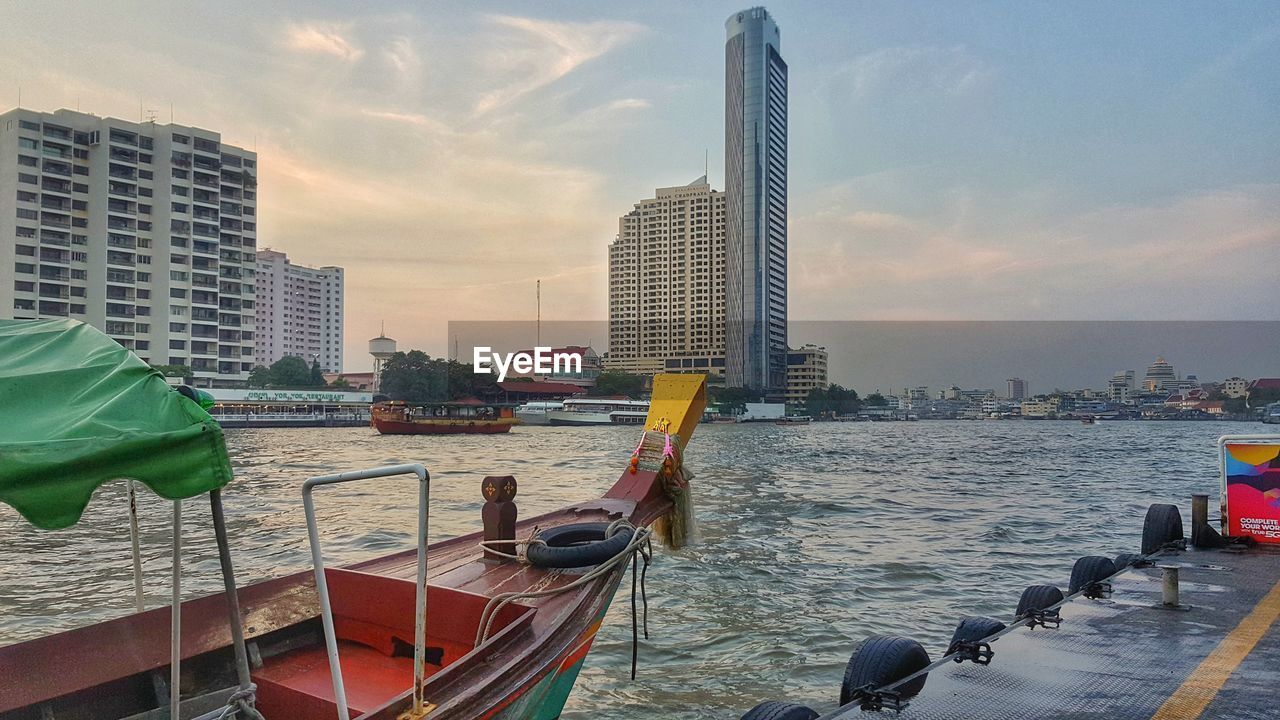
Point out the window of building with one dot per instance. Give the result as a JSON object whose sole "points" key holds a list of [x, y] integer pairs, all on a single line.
{"points": [[24, 268], [28, 161]]}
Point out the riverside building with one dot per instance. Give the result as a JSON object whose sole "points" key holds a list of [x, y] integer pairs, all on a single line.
{"points": [[299, 312], [806, 371], [146, 231], [756, 207], [667, 284]]}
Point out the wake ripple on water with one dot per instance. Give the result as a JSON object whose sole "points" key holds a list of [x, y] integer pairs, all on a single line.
{"points": [[812, 537]]}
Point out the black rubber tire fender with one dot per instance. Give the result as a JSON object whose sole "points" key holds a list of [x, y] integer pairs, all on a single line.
{"points": [[1124, 560], [774, 710], [1088, 570], [578, 545], [882, 660], [1162, 525], [974, 628], [1037, 597]]}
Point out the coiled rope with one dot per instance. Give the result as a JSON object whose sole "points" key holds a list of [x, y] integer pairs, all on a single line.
{"points": [[640, 544]]}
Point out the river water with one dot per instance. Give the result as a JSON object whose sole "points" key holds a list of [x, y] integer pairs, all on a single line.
{"points": [[812, 536]]}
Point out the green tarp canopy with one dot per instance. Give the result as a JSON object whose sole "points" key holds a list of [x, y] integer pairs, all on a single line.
{"points": [[78, 410]]}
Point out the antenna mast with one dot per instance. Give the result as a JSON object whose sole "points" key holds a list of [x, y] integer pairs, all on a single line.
{"points": [[538, 341]]}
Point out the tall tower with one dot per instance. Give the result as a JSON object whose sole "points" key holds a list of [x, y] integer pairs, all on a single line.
{"points": [[755, 158], [381, 348]]}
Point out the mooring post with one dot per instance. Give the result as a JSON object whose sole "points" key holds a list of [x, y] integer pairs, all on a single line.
{"points": [[499, 515], [1202, 534], [1169, 585]]}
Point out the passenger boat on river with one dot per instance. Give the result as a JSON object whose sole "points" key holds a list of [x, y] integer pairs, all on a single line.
{"points": [[448, 418], [479, 626]]}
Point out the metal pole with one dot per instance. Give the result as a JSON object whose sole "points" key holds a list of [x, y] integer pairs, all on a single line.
{"points": [[1169, 585], [326, 612], [229, 588], [175, 615], [139, 602], [322, 586], [420, 611]]}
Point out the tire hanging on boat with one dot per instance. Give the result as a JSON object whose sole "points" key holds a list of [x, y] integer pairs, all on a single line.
{"points": [[578, 545], [774, 710]]}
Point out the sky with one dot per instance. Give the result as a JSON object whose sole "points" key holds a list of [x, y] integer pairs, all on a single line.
{"points": [[948, 161]]}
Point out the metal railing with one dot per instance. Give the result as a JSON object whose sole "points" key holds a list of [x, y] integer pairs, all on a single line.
{"points": [[322, 587]]}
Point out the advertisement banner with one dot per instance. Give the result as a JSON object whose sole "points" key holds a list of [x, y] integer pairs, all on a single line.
{"points": [[1251, 487]]}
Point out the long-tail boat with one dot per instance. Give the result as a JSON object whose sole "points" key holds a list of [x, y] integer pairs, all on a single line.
{"points": [[495, 624]]}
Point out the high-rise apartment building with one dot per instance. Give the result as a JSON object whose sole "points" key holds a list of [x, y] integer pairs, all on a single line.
{"points": [[299, 312], [756, 204], [1018, 389], [144, 230], [667, 285]]}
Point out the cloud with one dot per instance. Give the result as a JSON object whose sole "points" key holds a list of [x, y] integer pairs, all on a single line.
{"points": [[539, 52], [914, 69], [403, 56], [322, 39], [1159, 261]]}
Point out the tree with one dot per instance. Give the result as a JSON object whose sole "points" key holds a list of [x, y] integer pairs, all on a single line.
{"points": [[339, 383], [1235, 405], [290, 371], [259, 377], [875, 399], [843, 401], [616, 382], [317, 375], [816, 404], [733, 400], [414, 377]]}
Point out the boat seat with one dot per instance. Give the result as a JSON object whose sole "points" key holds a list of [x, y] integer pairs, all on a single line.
{"points": [[373, 619]]}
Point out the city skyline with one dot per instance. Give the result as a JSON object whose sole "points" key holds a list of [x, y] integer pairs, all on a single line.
{"points": [[952, 168]]}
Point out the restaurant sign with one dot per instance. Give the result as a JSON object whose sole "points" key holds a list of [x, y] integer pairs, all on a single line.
{"points": [[292, 396]]}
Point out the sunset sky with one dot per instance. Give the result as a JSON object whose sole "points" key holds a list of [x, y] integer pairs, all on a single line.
{"points": [[947, 160]]}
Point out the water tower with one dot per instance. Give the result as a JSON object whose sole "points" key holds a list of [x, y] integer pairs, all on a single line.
{"points": [[381, 348]]}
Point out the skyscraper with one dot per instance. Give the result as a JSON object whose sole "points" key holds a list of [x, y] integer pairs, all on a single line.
{"points": [[145, 231], [756, 204], [666, 283], [299, 312]]}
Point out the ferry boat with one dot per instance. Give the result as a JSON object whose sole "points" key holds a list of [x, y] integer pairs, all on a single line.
{"points": [[461, 629], [600, 411], [454, 418], [537, 413]]}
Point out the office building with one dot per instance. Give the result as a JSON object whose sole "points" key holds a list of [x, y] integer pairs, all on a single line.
{"points": [[756, 204], [144, 230], [1017, 389], [806, 371], [666, 283], [299, 312]]}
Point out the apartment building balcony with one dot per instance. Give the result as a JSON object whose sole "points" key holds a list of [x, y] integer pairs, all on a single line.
{"points": [[123, 277], [120, 137], [57, 292], [50, 255], [54, 185], [55, 131], [51, 307], [56, 274], [55, 221], [123, 156], [206, 332], [120, 311], [204, 281], [119, 258]]}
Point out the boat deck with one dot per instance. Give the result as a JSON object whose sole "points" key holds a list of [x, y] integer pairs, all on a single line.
{"points": [[1216, 656]]}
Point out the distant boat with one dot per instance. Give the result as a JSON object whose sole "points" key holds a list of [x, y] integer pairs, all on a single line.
{"points": [[591, 411], [538, 413], [1271, 414], [452, 418], [794, 420], [1088, 420]]}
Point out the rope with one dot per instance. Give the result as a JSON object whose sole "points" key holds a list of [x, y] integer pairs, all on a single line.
{"points": [[499, 601]]}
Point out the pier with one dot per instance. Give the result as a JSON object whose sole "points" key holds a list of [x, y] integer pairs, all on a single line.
{"points": [[1215, 654]]}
